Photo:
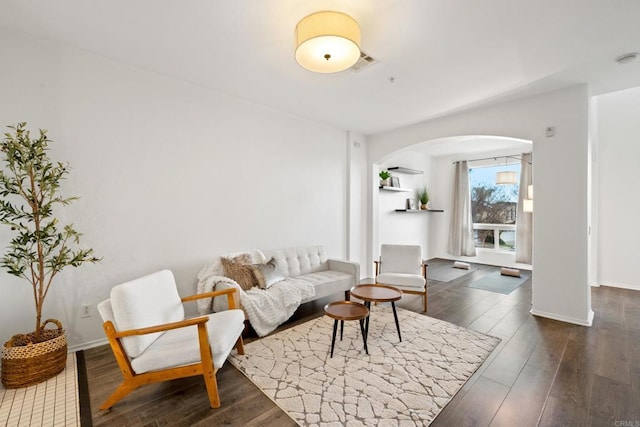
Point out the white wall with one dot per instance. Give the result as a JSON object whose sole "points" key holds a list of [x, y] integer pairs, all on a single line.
{"points": [[592, 194], [618, 173], [169, 175], [398, 227], [560, 288], [358, 208]]}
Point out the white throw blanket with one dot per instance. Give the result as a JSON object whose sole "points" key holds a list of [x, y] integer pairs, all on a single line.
{"points": [[215, 283], [268, 308], [265, 308]]}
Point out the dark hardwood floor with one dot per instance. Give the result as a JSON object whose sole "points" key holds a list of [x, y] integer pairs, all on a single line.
{"points": [[544, 372]]}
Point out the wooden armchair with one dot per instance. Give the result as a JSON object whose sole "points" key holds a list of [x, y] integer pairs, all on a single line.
{"points": [[153, 342], [402, 267]]}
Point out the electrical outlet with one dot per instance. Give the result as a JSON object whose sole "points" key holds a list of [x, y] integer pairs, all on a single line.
{"points": [[550, 131], [85, 310]]}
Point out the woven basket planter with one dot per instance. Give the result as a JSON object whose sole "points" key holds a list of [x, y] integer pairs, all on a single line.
{"points": [[26, 365]]}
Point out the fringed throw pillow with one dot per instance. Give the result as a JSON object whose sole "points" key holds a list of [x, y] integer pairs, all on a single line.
{"points": [[241, 270]]}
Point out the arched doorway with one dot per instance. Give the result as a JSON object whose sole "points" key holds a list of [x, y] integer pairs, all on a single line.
{"points": [[429, 165]]}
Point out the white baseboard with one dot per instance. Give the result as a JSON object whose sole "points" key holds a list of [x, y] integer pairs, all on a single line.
{"points": [[565, 319], [621, 285], [88, 345]]}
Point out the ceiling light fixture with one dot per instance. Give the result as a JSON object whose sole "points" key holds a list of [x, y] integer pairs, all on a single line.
{"points": [[327, 42]]}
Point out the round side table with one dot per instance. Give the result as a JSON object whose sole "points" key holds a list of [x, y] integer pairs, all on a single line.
{"points": [[378, 293], [346, 310]]}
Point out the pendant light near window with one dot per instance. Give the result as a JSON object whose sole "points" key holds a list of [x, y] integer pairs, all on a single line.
{"points": [[327, 42], [506, 177]]}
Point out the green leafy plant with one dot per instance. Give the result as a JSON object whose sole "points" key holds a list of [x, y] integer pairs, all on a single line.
{"points": [[29, 186], [423, 196], [384, 174]]}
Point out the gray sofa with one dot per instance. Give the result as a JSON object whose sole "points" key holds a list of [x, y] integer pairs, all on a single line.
{"points": [[308, 275], [328, 276]]}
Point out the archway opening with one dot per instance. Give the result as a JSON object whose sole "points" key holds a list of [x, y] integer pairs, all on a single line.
{"points": [[429, 165]]}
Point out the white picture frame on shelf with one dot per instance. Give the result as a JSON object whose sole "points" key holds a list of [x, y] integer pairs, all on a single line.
{"points": [[395, 181]]}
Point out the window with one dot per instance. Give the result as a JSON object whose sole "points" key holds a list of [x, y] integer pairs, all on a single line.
{"points": [[493, 208]]}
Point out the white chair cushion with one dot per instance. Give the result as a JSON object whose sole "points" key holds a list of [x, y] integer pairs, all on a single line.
{"points": [[148, 301], [401, 279], [401, 259], [179, 347], [409, 288]]}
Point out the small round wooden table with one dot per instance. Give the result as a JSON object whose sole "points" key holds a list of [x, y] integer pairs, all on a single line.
{"points": [[378, 293], [346, 310]]}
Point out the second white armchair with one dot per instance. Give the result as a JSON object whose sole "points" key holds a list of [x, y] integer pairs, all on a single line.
{"points": [[402, 267]]}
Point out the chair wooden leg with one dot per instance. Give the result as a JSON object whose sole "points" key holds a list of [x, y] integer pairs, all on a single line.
{"points": [[240, 345], [425, 302], [117, 395], [210, 382]]}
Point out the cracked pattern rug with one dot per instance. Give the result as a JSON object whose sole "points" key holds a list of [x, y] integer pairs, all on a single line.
{"points": [[398, 384]]}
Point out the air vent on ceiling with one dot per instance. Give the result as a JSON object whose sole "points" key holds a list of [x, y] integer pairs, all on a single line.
{"points": [[365, 61]]}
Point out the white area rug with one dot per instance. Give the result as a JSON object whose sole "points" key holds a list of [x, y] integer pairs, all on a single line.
{"points": [[398, 384]]}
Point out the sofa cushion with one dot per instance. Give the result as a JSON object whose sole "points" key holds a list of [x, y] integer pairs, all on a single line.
{"points": [[180, 346], [329, 282], [327, 276], [294, 262], [401, 279], [148, 301]]}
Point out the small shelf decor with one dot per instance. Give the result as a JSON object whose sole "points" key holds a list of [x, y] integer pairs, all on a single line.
{"points": [[423, 197], [385, 177]]}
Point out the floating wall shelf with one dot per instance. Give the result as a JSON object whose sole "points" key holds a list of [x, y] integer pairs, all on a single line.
{"points": [[400, 169], [419, 210], [387, 188]]}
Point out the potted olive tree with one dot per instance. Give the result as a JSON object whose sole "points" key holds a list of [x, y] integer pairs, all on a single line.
{"points": [[41, 248]]}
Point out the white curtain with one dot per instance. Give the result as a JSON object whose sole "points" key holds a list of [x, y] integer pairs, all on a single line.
{"points": [[524, 220], [461, 231]]}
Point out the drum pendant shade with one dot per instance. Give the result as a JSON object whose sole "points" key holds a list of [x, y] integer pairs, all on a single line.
{"points": [[506, 177], [327, 42]]}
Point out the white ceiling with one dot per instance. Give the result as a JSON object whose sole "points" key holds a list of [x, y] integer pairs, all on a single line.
{"points": [[443, 55]]}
